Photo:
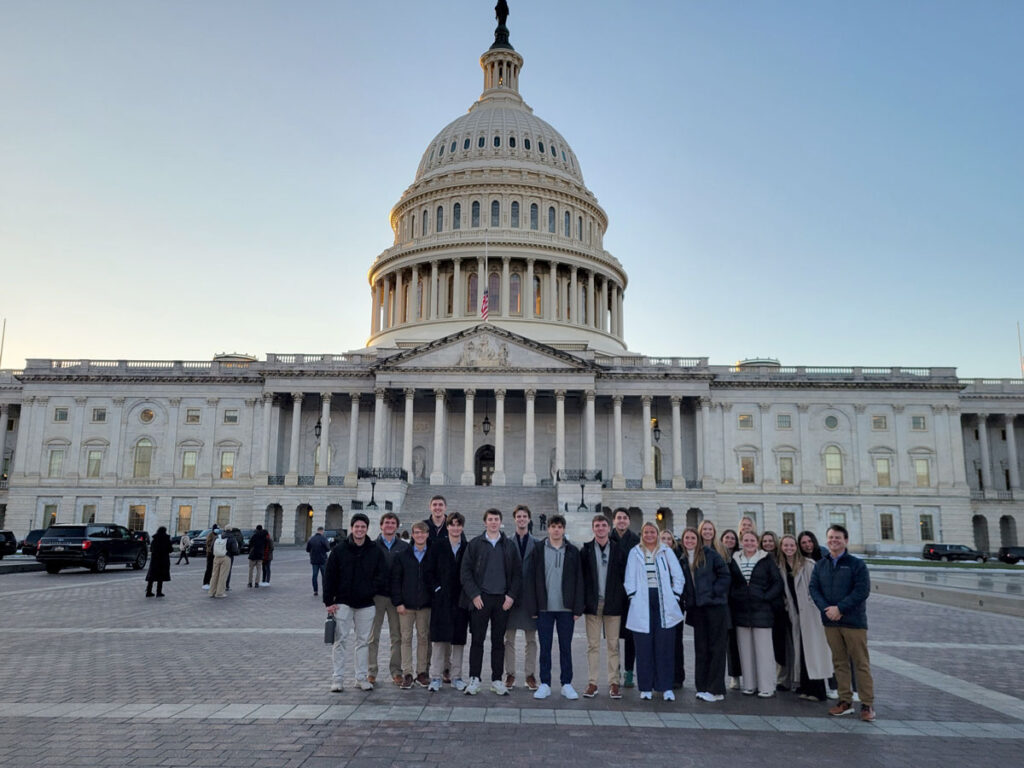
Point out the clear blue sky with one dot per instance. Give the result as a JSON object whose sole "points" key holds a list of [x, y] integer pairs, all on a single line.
{"points": [[822, 182]]}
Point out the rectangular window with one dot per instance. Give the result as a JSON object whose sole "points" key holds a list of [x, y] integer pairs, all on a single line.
{"points": [[879, 423], [143, 459], [184, 518], [747, 470], [918, 423], [837, 518], [93, 463], [786, 470], [137, 517], [922, 473], [193, 415], [99, 415], [784, 421], [88, 513], [188, 464], [927, 528], [231, 416], [60, 414], [49, 515], [746, 421], [885, 524], [223, 515], [227, 465], [56, 464], [882, 477], [789, 523]]}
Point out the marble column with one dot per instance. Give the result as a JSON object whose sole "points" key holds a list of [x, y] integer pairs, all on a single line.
{"points": [[591, 319], [375, 299], [468, 476], [414, 296], [559, 431], [293, 450], [434, 290], [552, 313], [574, 296], [602, 316], [618, 479], [590, 429], [437, 471], [268, 404], [678, 481], [379, 415], [648, 451], [325, 435], [5, 411], [498, 478], [399, 302], [1011, 453], [352, 471], [410, 395], [986, 462], [703, 416], [530, 472]]}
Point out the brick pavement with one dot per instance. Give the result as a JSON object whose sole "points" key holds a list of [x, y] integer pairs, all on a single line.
{"points": [[192, 681]]}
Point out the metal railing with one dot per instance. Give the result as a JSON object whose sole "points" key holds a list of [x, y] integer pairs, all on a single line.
{"points": [[382, 473], [580, 475], [275, 479]]}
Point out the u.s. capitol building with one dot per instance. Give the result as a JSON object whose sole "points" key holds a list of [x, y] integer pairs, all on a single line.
{"points": [[541, 402]]}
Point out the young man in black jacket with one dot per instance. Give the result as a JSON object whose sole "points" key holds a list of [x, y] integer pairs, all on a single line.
{"points": [[411, 596], [555, 598], [492, 580], [627, 539], [604, 603], [355, 572]]}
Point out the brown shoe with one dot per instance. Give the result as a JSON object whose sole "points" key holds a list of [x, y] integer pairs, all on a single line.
{"points": [[510, 681], [397, 680], [867, 713], [446, 678], [406, 683], [614, 692], [531, 682], [422, 680], [371, 679], [590, 691], [842, 708]]}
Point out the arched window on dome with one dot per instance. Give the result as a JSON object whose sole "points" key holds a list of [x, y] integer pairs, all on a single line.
{"points": [[553, 152], [833, 466], [515, 305], [414, 225], [475, 214], [471, 284], [551, 220], [465, 144], [425, 217], [538, 305], [450, 301], [418, 315], [457, 216], [451, 149], [563, 157], [514, 213], [579, 228], [440, 219], [583, 299], [481, 141], [566, 230], [512, 142], [494, 292], [402, 315], [497, 141], [440, 152], [540, 146], [526, 144], [533, 216], [495, 213]]}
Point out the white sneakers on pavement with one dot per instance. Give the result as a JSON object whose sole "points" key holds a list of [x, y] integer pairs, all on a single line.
{"points": [[542, 692], [499, 687], [668, 696], [569, 692], [473, 687], [336, 687]]}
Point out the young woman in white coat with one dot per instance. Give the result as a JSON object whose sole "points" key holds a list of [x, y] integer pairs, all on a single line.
{"points": [[654, 583], [811, 662]]}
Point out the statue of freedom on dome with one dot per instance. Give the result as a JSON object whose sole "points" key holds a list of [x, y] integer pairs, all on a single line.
{"points": [[501, 12]]}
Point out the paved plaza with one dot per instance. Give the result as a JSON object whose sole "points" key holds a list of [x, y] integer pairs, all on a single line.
{"points": [[97, 675]]}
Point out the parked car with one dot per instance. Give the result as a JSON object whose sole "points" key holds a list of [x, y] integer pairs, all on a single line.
{"points": [[28, 544], [949, 552], [246, 535], [176, 540], [1011, 555], [8, 543], [142, 536], [198, 547], [333, 536], [90, 545]]}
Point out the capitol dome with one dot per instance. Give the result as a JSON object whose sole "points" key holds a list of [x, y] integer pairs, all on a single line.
{"points": [[499, 208]]}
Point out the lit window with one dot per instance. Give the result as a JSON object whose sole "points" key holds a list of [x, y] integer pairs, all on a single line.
{"points": [[99, 415], [184, 518], [879, 423], [833, 466], [747, 470], [224, 515], [450, 297], [883, 478], [146, 416], [188, 464], [921, 471], [143, 458], [927, 528], [440, 219], [49, 515], [93, 463], [56, 464], [551, 220], [536, 296], [494, 290], [457, 216], [514, 213], [193, 415], [783, 421], [227, 465], [471, 295], [885, 524], [786, 470], [746, 421], [60, 414], [514, 298], [533, 216], [495, 213], [137, 517], [475, 214], [231, 416], [918, 423]]}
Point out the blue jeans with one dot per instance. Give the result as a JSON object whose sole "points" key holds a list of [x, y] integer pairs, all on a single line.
{"points": [[318, 568], [547, 623]]}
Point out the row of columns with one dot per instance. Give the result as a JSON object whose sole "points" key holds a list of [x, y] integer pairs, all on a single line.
{"points": [[560, 297], [1011, 451]]}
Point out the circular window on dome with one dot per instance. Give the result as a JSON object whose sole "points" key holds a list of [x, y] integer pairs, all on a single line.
{"points": [[512, 141], [146, 416], [831, 422], [465, 144], [526, 144], [480, 142]]}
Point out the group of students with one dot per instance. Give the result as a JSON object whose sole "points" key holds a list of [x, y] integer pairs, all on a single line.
{"points": [[748, 599]]}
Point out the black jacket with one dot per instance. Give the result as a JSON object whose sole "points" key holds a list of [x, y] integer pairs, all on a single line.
{"points": [[355, 574], [443, 574], [475, 562], [614, 590], [409, 586], [536, 596], [751, 603], [627, 541], [257, 543], [709, 584]]}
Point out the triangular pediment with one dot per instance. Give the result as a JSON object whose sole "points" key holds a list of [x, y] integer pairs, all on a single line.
{"points": [[485, 347]]}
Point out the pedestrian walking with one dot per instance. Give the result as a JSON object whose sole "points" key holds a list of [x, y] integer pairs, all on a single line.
{"points": [[159, 563], [318, 549], [183, 543]]}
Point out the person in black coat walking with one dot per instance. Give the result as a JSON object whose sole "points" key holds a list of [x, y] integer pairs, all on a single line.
{"points": [[257, 546], [159, 563]]}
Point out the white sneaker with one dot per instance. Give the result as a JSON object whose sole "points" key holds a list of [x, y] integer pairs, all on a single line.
{"points": [[473, 688], [704, 696], [832, 694], [435, 685], [734, 683], [206, 587], [855, 696], [542, 692], [646, 696], [366, 685], [765, 694], [459, 684], [717, 697], [668, 696], [569, 692], [499, 687], [336, 687], [264, 584]]}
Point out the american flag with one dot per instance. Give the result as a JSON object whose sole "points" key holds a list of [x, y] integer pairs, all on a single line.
{"points": [[483, 306]]}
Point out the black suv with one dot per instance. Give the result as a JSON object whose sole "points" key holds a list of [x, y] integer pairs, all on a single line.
{"points": [[92, 545], [198, 548], [1011, 555], [947, 552], [28, 544], [8, 543]]}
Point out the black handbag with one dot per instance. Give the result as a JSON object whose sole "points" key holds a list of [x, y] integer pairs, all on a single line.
{"points": [[329, 628]]}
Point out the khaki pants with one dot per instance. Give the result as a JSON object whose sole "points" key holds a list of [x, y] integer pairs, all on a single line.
{"points": [[446, 654], [420, 621], [610, 624], [219, 575], [757, 658], [849, 644], [255, 567], [384, 607], [530, 659]]}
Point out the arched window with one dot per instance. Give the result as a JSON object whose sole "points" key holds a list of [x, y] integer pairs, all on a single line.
{"points": [[551, 220], [533, 216], [465, 144], [514, 298], [553, 151], [401, 315], [497, 141], [425, 214], [471, 295], [475, 214], [450, 304], [512, 142], [495, 213], [526, 144], [540, 146], [419, 300], [457, 216], [440, 152], [452, 147], [565, 225], [537, 293], [480, 142], [833, 466], [143, 460], [494, 292], [414, 225], [515, 214], [440, 219], [579, 228]]}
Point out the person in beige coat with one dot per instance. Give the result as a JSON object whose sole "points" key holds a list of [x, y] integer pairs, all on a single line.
{"points": [[809, 658]]}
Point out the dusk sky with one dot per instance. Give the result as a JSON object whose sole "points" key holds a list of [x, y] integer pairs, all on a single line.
{"points": [[824, 183]]}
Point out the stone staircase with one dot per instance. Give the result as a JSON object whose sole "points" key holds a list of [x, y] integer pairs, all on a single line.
{"points": [[472, 500]]}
